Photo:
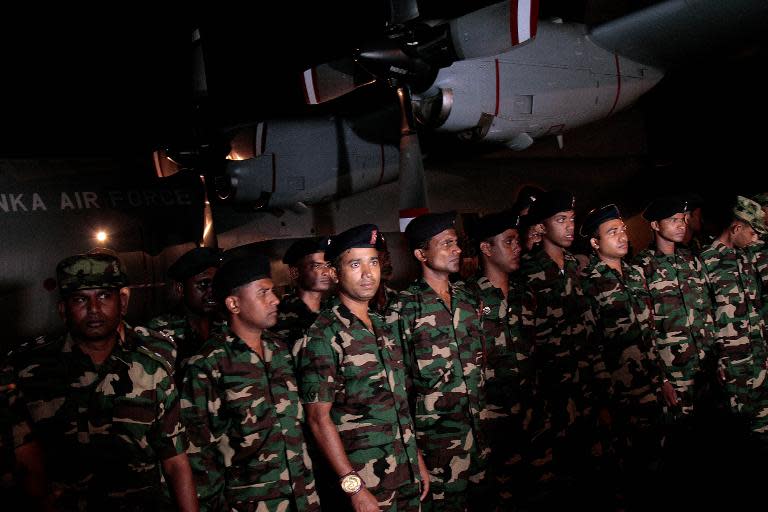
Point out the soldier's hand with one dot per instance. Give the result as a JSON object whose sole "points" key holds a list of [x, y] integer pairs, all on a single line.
{"points": [[424, 473], [364, 501], [669, 393]]}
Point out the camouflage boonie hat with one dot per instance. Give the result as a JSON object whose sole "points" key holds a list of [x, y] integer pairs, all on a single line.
{"points": [[89, 271], [750, 212], [761, 199]]}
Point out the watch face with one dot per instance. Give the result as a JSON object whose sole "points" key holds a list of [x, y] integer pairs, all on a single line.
{"points": [[351, 483]]}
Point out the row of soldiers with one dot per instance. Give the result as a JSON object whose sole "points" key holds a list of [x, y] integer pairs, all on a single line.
{"points": [[490, 394]]}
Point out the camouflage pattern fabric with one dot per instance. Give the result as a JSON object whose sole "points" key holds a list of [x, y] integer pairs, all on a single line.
{"points": [[741, 347], [559, 324], [759, 258], [244, 419], [293, 318], [683, 316], [89, 271], [385, 298], [184, 340], [623, 311], [444, 354], [104, 429], [508, 385], [361, 373]]}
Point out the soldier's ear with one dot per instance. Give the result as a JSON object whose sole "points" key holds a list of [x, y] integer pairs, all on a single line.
{"points": [[62, 308], [420, 254], [333, 274], [593, 243], [178, 288], [232, 303], [485, 248], [125, 296], [655, 225], [293, 273]]}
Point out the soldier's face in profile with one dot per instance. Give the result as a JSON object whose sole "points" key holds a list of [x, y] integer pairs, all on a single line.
{"points": [[359, 274], [92, 315], [443, 253], [198, 292], [504, 250], [744, 235], [612, 241], [256, 304], [672, 228], [559, 229], [314, 273]]}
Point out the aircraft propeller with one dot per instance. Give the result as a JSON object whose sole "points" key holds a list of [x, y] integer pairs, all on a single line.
{"points": [[407, 59]]}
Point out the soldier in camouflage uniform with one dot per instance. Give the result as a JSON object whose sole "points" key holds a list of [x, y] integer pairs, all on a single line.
{"points": [[353, 384], [559, 325], [741, 346], [442, 336], [104, 408], [385, 296], [312, 275], [682, 309], [241, 404], [621, 304], [507, 370], [197, 321]]}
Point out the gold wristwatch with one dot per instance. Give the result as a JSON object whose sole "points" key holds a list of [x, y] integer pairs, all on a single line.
{"points": [[351, 483]]}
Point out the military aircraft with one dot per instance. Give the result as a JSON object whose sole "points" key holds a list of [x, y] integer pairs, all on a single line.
{"points": [[323, 168]]}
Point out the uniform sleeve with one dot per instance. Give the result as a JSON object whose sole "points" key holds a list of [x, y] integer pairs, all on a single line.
{"points": [[200, 403], [317, 367], [168, 437], [15, 426]]}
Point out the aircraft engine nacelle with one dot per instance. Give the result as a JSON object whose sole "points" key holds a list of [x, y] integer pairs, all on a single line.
{"points": [[559, 81], [282, 163]]}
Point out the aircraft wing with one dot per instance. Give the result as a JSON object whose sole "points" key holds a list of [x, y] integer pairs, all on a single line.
{"points": [[673, 32]]}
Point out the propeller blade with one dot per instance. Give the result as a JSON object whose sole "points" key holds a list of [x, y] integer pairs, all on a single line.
{"points": [[494, 29], [209, 238], [330, 80], [412, 184]]}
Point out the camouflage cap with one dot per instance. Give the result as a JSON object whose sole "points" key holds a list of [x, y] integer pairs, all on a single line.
{"points": [[750, 212], [761, 199], [89, 271]]}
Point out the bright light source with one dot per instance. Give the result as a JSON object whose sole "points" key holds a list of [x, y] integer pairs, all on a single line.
{"points": [[101, 236]]}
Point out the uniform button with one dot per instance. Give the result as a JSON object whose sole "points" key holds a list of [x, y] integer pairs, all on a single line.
{"points": [[486, 310]]}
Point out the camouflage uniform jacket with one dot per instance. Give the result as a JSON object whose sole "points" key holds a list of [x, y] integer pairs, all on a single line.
{"points": [[685, 331], [15, 429], [244, 419], [623, 311], [184, 340], [759, 257], [361, 373], [293, 318], [105, 428], [444, 354], [507, 369], [738, 305], [561, 327]]}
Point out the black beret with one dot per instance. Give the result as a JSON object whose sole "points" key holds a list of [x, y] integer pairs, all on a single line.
{"points": [[238, 271], [363, 236], [493, 224], [549, 203], [693, 199], [526, 197], [665, 207], [193, 262], [596, 217], [304, 247], [424, 227]]}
